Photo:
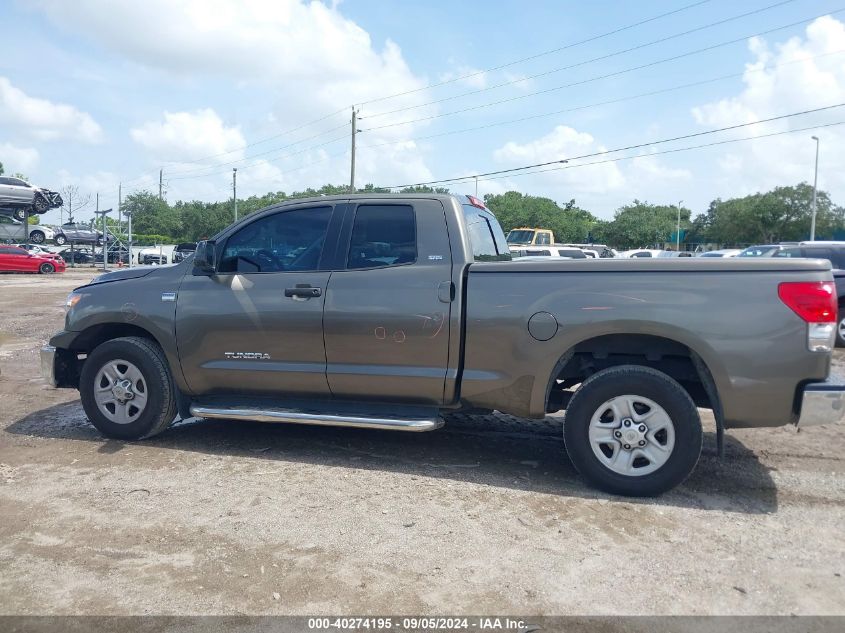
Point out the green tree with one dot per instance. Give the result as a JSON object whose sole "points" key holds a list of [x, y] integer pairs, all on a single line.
{"points": [[782, 214], [513, 209], [424, 189], [1, 169], [152, 215], [640, 225]]}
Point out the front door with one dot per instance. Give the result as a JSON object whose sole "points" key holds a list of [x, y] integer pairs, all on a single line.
{"points": [[256, 325], [387, 308]]}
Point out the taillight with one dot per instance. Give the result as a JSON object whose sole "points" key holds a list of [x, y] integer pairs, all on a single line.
{"points": [[815, 302], [476, 202]]}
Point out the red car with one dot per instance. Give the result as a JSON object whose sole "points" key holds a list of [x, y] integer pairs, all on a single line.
{"points": [[15, 259]]}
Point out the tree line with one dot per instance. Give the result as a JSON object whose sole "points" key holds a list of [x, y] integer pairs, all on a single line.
{"points": [[782, 214]]}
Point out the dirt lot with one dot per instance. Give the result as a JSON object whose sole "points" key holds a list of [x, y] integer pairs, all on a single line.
{"points": [[485, 516]]}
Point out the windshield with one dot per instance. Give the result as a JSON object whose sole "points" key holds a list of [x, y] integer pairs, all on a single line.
{"points": [[520, 236], [759, 251]]}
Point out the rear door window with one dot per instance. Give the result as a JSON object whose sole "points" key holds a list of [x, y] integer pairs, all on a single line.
{"points": [[383, 235]]}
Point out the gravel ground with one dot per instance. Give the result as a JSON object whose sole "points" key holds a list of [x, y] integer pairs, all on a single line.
{"points": [[484, 516]]}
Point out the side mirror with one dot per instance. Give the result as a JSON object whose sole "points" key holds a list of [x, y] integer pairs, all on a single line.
{"points": [[204, 263]]}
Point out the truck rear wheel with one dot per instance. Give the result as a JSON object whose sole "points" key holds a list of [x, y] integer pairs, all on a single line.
{"points": [[127, 390], [633, 431]]}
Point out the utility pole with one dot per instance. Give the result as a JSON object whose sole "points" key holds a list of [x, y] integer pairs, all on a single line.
{"points": [[815, 192], [129, 215], [678, 229], [476, 186], [354, 131], [235, 190], [160, 178]]}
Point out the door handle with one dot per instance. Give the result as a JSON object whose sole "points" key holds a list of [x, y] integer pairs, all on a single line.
{"points": [[304, 291]]}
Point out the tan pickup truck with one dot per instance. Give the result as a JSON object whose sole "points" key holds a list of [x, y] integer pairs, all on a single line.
{"points": [[388, 311]]}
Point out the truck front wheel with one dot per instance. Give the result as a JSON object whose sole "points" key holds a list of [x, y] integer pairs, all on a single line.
{"points": [[632, 430], [127, 390]]}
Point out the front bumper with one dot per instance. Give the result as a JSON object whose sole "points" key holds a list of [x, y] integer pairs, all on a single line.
{"points": [[48, 365], [823, 402]]}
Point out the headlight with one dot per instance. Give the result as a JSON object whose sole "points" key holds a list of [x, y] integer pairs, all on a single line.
{"points": [[72, 299]]}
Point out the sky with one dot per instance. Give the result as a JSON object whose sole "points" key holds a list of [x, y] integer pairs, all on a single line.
{"points": [[96, 93]]}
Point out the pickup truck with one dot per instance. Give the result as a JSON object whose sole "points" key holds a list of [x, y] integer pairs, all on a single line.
{"points": [[390, 311]]}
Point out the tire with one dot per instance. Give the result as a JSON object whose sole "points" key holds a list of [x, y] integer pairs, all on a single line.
{"points": [[20, 214], [99, 241], [840, 328], [37, 237], [646, 398], [114, 361], [61, 240], [40, 204], [46, 269]]}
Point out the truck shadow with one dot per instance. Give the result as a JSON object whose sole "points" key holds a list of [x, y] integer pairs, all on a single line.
{"points": [[494, 450]]}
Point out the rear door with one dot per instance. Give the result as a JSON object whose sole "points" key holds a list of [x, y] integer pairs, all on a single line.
{"points": [[20, 191], [6, 190], [256, 326], [386, 319]]}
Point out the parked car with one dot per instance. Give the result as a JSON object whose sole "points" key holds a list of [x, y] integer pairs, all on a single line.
{"points": [[78, 232], [17, 195], [37, 250], [151, 256], [596, 251], [115, 255], [725, 252], [13, 230], [15, 259], [641, 252], [676, 254], [762, 250], [554, 250], [389, 311], [183, 250], [77, 255]]}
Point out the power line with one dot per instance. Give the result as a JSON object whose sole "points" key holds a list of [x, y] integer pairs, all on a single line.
{"points": [[605, 76], [607, 102], [667, 151], [619, 149], [434, 85], [537, 55], [585, 62]]}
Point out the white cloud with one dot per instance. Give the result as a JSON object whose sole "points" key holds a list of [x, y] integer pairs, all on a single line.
{"points": [[304, 59], [809, 75], [600, 187], [466, 75], [560, 143], [17, 159], [188, 136], [44, 119], [327, 60]]}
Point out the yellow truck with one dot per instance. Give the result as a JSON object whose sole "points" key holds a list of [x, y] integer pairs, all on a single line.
{"points": [[522, 236]]}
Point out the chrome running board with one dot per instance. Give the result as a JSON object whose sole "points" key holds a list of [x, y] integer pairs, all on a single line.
{"points": [[295, 416]]}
